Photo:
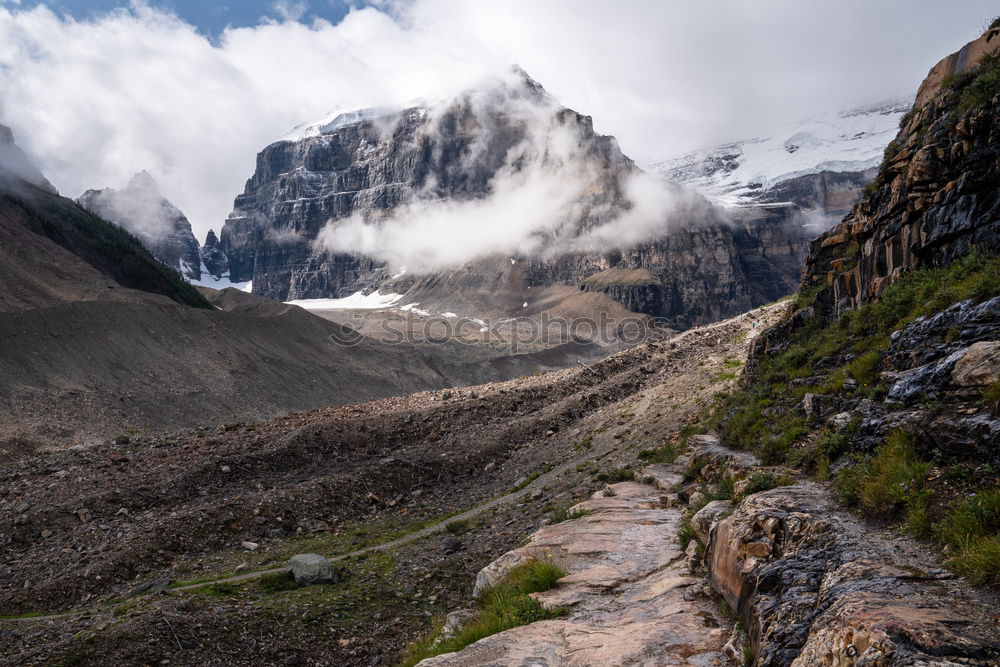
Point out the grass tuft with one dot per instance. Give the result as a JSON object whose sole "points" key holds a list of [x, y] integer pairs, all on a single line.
{"points": [[505, 605]]}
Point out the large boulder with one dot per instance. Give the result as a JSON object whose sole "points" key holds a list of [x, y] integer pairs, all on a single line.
{"points": [[978, 366], [813, 586], [707, 516], [312, 569]]}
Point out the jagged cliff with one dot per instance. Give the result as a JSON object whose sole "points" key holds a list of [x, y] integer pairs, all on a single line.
{"points": [[213, 259], [935, 195], [372, 165], [143, 211]]}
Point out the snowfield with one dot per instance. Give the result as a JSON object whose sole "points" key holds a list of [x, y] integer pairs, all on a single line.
{"points": [[357, 301], [735, 173]]}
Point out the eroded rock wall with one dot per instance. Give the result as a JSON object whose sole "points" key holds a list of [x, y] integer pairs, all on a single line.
{"points": [[937, 194]]}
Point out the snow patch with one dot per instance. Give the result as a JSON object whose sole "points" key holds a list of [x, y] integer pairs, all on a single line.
{"points": [[412, 308], [341, 118], [357, 301], [208, 280]]}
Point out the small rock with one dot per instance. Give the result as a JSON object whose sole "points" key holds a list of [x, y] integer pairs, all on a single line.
{"points": [[707, 516], [226, 469], [275, 533], [312, 569], [250, 546], [451, 545], [759, 548], [537, 494], [697, 499], [46, 534], [693, 560], [84, 514], [840, 421], [490, 467], [455, 620]]}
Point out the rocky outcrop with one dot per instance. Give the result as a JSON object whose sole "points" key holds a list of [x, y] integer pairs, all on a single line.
{"points": [[814, 586], [42, 232], [159, 225], [16, 170], [627, 595], [213, 258], [703, 264], [936, 193]]}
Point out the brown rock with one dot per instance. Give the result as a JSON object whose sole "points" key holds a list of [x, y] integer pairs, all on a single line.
{"points": [[836, 239], [979, 366], [703, 521]]}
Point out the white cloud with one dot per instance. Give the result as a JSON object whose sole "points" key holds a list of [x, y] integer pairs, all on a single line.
{"points": [[289, 10], [95, 101]]}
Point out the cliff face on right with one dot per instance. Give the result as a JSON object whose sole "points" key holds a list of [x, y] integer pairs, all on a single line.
{"points": [[937, 193], [883, 382]]}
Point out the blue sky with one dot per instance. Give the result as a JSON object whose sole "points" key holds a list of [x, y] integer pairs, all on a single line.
{"points": [[211, 18]]}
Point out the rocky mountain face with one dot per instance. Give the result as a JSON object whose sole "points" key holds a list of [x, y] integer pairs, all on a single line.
{"points": [[700, 263], [935, 196], [141, 209], [213, 258], [54, 251], [796, 184], [16, 169]]}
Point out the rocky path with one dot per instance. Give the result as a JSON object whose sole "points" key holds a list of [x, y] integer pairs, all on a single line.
{"points": [[628, 591]]}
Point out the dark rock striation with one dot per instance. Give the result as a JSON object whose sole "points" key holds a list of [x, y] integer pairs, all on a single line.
{"points": [[937, 193]]}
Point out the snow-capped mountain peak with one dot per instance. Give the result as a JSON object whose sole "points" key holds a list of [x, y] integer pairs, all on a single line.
{"points": [[846, 141]]}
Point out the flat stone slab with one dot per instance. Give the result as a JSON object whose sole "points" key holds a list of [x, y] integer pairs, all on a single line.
{"points": [[624, 590]]}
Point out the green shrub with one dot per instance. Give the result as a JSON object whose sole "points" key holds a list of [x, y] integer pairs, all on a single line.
{"points": [[457, 527], [664, 454], [277, 582], [977, 87], [991, 396], [864, 368], [686, 531], [973, 518], [566, 513], [505, 605], [979, 560], [894, 479], [765, 480], [615, 476], [223, 589]]}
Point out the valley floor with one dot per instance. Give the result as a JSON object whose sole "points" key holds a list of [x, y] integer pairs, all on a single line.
{"points": [[165, 550]]}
